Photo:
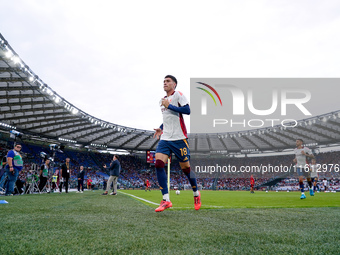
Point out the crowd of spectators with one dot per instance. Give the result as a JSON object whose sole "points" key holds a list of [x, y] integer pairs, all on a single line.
{"points": [[135, 170], [291, 184]]}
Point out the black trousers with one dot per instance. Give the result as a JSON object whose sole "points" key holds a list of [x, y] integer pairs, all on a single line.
{"points": [[81, 183], [65, 182], [42, 182]]}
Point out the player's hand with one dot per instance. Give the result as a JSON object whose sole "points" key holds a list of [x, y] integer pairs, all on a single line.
{"points": [[158, 133], [104, 166], [165, 102]]}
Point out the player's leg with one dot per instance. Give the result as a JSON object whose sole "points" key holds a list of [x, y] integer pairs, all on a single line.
{"points": [[310, 184], [161, 159], [185, 166], [315, 180], [182, 152], [162, 155], [162, 181], [301, 177]]}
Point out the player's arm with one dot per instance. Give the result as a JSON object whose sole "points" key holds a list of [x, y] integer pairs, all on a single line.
{"points": [[309, 155], [158, 131], [180, 109]]}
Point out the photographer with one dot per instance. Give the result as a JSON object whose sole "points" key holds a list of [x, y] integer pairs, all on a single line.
{"points": [[44, 174], [3, 174], [13, 167]]}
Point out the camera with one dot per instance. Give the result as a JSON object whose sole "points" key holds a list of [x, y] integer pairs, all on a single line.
{"points": [[56, 147], [14, 134], [43, 155]]}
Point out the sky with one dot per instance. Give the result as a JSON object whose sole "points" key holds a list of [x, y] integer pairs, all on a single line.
{"points": [[109, 58]]}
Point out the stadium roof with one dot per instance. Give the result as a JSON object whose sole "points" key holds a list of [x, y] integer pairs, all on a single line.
{"points": [[32, 107]]}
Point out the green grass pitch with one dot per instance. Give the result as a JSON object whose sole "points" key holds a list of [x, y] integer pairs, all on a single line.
{"points": [[229, 222]]}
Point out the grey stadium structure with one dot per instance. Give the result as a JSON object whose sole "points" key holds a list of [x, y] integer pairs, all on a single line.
{"points": [[31, 107]]}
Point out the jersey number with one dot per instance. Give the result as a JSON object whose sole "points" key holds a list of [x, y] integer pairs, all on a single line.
{"points": [[184, 151]]}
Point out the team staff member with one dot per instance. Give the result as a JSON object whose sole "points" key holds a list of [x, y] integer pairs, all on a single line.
{"points": [[13, 167], [114, 173], [65, 174], [80, 177], [44, 174], [173, 138]]}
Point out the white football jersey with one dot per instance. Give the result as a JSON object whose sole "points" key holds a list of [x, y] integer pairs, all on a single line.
{"points": [[173, 122], [301, 159], [313, 169]]}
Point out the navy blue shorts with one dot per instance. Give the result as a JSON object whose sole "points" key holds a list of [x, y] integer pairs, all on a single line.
{"points": [[179, 147]]}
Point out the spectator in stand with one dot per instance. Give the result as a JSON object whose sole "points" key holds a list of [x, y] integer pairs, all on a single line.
{"points": [[80, 177]]}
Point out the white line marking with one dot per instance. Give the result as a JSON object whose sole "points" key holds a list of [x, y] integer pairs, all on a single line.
{"points": [[138, 198], [171, 207]]}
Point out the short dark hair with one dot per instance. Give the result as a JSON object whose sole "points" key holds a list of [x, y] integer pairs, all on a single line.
{"points": [[17, 144], [300, 140], [115, 155], [173, 78]]}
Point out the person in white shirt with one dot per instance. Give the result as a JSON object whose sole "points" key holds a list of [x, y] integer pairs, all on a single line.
{"points": [[173, 139], [325, 184], [301, 154]]}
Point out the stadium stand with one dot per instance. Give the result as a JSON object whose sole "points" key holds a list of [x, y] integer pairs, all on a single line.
{"points": [[135, 170]]}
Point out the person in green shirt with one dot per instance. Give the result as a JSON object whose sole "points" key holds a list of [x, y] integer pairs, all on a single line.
{"points": [[13, 167], [44, 174]]}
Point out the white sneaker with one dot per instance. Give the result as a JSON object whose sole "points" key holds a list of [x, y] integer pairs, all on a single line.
{"points": [[77, 192], [81, 191]]}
